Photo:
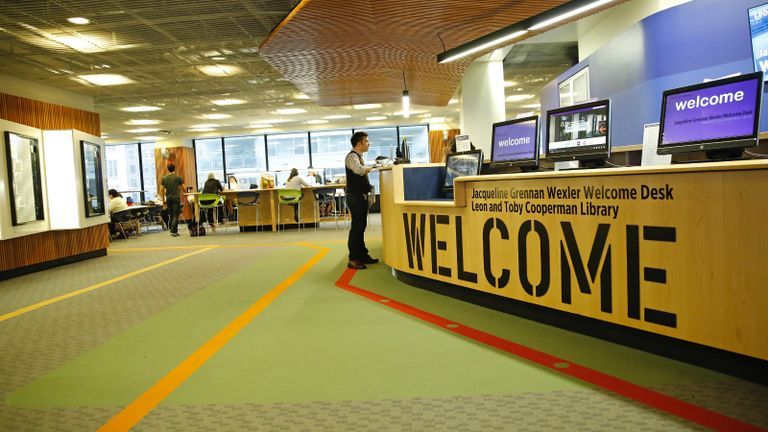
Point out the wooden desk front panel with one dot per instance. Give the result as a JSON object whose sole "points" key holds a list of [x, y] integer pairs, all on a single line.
{"points": [[682, 254]]}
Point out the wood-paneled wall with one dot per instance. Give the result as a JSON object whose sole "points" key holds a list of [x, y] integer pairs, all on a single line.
{"points": [[40, 248], [47, 116], [50, 246], [436, 144], [184, 160]]}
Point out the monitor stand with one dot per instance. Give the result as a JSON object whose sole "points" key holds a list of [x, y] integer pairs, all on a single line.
{"points": [[584, 164], [724, 154]]}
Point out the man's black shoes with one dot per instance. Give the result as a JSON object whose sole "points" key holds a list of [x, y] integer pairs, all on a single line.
{"points": [[370, 260], [355, 264]]}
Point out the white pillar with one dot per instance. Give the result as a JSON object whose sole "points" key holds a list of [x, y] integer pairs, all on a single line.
{"points": [[482, 102]]}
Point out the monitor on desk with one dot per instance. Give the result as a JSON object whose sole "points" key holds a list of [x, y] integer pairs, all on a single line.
{"points": [[515, 143], [461, 164], [579, 132], [719, 117]]}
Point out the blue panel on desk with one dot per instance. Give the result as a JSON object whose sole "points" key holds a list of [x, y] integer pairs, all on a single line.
{"points": [[423, 183]]}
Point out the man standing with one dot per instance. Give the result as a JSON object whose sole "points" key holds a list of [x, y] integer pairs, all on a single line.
{"points": [[172, 185], [357, 190]]}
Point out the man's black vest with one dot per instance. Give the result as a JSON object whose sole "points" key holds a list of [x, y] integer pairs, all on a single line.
{"points": [[356, 183]]}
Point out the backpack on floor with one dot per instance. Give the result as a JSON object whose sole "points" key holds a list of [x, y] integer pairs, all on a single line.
{"points": [[195, 230]]}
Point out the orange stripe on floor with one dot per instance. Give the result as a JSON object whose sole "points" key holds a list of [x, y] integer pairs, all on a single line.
{"points": [[669, 404], [139, 408], [44, 303]]}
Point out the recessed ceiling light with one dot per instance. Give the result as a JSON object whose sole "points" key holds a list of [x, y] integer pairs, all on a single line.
{"points": [[519, 97], [533, 106], [510, 83], [337, 117], [79, 20], [219, 70], [260, 126], [366, 106], [301, 96], [147, 138], [314, 122], [216, 116], [218, 58], [224, 102], [376, 118], [437, 120], [289, 111], [289, 103], [143, 130], [205, 126], [142, 122], [106, 79], [141, 108]]}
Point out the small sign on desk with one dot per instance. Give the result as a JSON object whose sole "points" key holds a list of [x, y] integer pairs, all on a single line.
{"points": [[462, 143]]}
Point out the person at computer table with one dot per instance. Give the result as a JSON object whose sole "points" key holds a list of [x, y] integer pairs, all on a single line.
{"points": [[357, 190], [116, 204], [295, 182], [212, 186]]}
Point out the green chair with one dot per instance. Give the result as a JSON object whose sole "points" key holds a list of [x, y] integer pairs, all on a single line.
{"points": [[290, 197], [209, 201]]}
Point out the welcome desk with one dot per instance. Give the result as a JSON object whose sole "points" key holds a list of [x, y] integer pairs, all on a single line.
{"points": [[670, 259]]}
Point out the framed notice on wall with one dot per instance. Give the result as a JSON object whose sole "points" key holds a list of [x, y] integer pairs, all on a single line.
{"points": [[24, 178]]}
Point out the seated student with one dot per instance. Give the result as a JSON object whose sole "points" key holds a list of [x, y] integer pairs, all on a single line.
{"points": [[295, 182], [116, 204], [212, 186]]}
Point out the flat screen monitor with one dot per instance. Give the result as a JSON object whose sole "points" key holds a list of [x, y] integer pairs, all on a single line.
{"points": [[515, 143], [579, 132], [461, 164], [758, 29], [720, 117]]}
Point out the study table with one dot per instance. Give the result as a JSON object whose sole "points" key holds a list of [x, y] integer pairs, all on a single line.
{"points": [[669, 257], [268, 203]]}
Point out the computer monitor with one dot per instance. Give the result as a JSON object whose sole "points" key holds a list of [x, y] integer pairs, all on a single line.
{"points": [[461, 164], [719, 117], [579, 132], [515, 143]]}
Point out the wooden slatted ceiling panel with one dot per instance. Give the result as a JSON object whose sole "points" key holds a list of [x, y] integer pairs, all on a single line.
{"points": [[341, 52]]}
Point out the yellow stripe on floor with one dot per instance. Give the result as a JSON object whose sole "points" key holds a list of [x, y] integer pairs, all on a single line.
{"points": [[139, 408], [36, 306]]}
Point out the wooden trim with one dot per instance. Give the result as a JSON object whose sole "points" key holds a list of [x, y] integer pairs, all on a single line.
{"points": [[49, 246], [47, 116]]}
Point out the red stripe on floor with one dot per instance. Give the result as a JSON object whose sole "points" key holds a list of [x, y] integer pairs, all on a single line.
{"points": [[643, 395]]}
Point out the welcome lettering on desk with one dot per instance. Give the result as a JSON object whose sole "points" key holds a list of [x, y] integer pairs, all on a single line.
{"points": [[535, 241]]}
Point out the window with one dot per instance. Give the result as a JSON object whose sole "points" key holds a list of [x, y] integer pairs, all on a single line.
{"points": [[329, 148], [148, 170], [383, 142], [93, 189], [417, 139], [245, 159], [288, 151], [575, 89], [209, 158], [125, 175], [24, 176]]}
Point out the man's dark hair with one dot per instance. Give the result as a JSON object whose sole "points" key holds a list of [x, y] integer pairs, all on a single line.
{"points": [[358, 137], [171, 167]]}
